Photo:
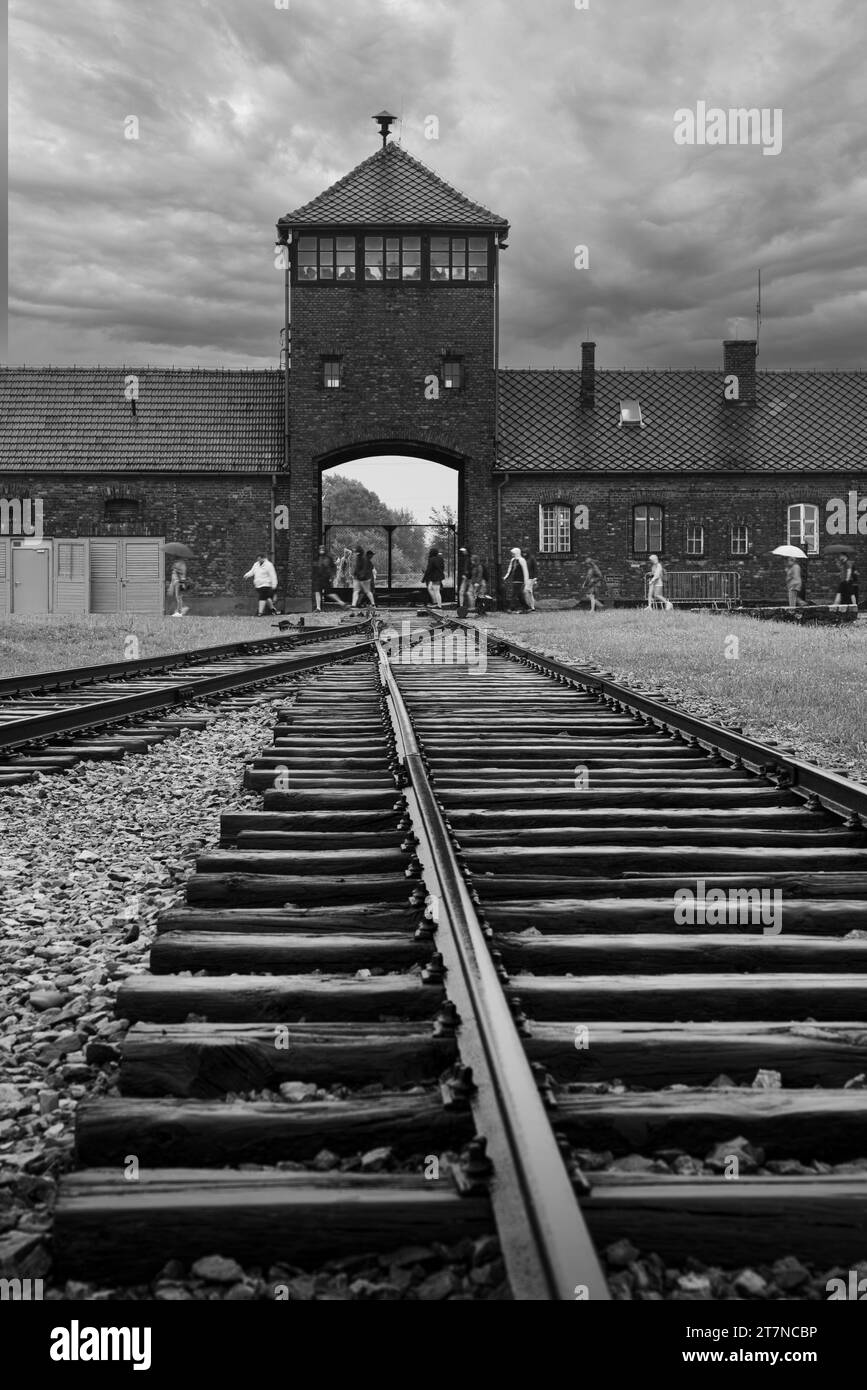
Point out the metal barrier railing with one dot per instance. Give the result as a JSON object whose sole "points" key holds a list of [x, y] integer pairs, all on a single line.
{"points": [[700, 586]]}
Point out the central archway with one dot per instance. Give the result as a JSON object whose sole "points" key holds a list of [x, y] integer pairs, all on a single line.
{"points": [[396, 498]]}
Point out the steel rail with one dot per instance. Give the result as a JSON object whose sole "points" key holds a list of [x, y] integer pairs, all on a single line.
{"points": [[36, 728], [111, 670], [837, 793], [544, 1239]]}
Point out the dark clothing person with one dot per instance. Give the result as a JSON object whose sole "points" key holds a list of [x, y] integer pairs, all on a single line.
{"points": [[847, 586], [517, 576], [362, 578], [324, 575], [435, 573]]}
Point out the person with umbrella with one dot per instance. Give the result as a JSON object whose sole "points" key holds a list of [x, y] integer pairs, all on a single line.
{"points": [[847, 585], [794, 578], [179, 555]]}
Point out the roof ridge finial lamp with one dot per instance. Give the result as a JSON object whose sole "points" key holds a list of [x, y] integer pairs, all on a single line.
{"points": [[385, 119]]}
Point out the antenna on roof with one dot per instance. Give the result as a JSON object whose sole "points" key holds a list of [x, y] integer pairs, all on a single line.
{"points": [[758, 313]]}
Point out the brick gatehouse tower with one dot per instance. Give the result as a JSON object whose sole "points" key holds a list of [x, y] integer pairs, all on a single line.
{"points": [[394, 318]]}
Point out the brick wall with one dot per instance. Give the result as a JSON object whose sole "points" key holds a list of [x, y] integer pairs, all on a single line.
{"points": [[224, 519], [390, 337], [714, 502]]}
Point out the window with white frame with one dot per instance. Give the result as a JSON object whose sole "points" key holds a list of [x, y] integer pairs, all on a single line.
{"points": [[694, 538], [803, 528], [555, 528], [740, 540], [646, 529]]}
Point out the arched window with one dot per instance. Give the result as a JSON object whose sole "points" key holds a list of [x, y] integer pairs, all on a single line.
{"points": [[646, 529], [803, 528]]}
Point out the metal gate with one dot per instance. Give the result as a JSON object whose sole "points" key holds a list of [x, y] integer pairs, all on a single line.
{"points": [[722, 587]]}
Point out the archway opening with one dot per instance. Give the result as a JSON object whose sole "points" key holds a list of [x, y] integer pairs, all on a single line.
{"points": [[400, 506]]}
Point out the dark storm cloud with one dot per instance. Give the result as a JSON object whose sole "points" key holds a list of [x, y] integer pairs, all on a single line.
{"points": [[161, 249]]}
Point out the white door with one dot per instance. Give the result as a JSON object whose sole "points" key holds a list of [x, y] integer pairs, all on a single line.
{"points": [[143, 583], [5, 575], [31, 578], [105, 575], [72, 576]]}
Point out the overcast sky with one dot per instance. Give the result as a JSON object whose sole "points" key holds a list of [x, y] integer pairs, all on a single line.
{"points": [[160, 250]]}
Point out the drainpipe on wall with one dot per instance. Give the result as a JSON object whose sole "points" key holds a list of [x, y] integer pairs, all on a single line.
{"points": [[284, 237], [503, 481], [273, 550]]}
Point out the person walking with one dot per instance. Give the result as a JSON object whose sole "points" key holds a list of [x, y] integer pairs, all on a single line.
{"points": [[533, 574], [371, 555], [592, 584], [324, 575], [177, 585], [478, 586], [344, 569], [264, 577], [435, 572], [655, 596], [847, 587], [795, 584], [464, 581], [362, 575], [518, 577]]}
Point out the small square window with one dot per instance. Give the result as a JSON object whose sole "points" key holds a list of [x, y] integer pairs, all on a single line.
{"points": [[331, 372], [453, 374], [630, 414]]}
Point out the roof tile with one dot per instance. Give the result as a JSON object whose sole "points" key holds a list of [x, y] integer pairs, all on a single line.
{"points": [[186, 419], [390, 188], [808, 422]]}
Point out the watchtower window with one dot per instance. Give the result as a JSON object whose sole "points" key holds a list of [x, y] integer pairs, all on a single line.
{"points": [[458, 258], [392, 258], [326, 258]]}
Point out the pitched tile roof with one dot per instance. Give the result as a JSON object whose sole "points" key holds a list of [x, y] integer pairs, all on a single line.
{"points": [[801, 422], [54, 418], [392, 188]]}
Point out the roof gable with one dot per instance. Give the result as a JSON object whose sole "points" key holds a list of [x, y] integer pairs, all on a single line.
{"points": [[390, 188]]}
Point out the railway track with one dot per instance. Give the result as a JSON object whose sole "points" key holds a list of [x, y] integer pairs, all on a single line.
{"points": [[51, 720], [472, 890]]}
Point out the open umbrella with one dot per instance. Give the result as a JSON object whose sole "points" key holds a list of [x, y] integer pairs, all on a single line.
{"points": [[838, 549], [790, 551], [178, 551]]}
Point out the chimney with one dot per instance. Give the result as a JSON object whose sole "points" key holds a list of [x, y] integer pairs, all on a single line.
{"points": [[739, 361], [588, 376]]}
